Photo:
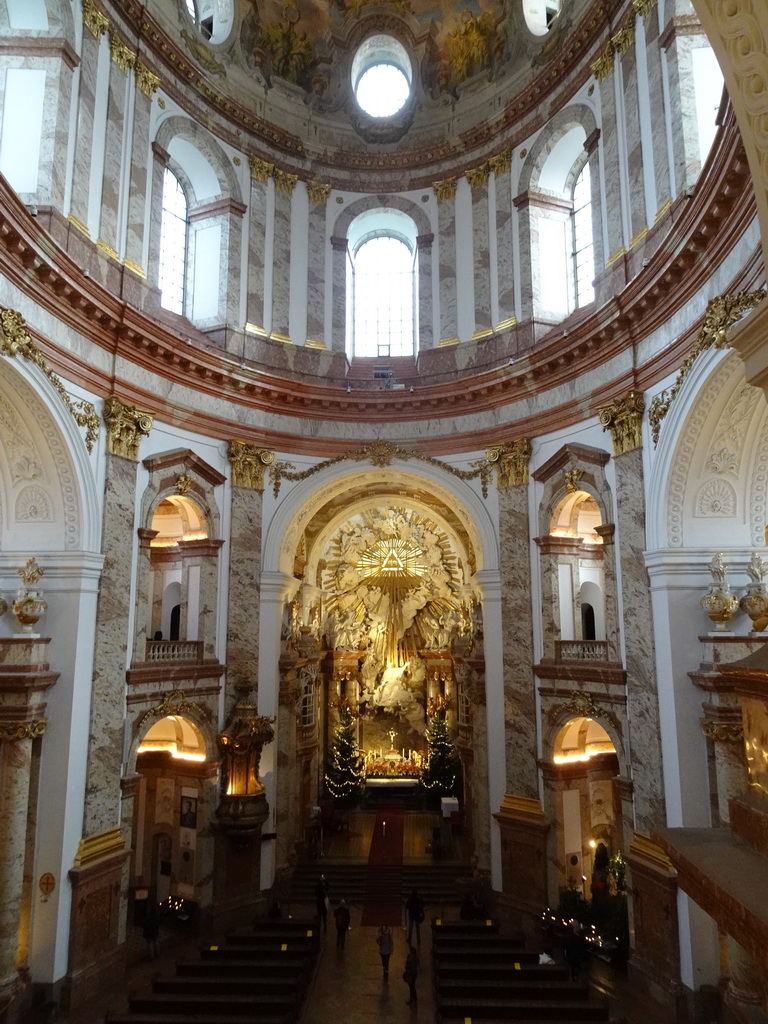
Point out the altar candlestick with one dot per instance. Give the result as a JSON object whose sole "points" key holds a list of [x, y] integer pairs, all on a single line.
{"points": [[383, 828]]}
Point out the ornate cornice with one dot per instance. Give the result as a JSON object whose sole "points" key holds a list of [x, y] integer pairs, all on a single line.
{"points": [[15, 340], [624, 418], [380, 453], [126, 425], [721, 313], [93, 19], [10, 731], [248, 464], [511, 462]]}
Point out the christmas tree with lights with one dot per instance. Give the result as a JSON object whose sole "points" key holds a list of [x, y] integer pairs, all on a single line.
{"points": [[345, 773], [441, 765]]}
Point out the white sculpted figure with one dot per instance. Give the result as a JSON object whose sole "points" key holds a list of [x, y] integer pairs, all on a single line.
{"points": [[757, 567], [718, 568]]}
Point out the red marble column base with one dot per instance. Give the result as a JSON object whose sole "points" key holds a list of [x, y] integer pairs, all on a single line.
{"points": [[655, 959], [523, 830], [96, 941]]}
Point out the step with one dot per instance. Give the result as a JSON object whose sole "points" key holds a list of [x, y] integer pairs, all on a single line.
{"points": [[515, 1010], [171, 1018], [468, 955], [256, 957], [527, 972], [209, 987], [272, 968], [510, 988], [195, 1006]]}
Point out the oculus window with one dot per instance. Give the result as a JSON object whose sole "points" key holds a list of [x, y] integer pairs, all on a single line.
{"points": [[381, 76]]}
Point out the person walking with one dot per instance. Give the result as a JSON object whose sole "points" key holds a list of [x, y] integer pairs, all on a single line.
{"points": [[386, 944], [341, 917], [415, 909], [321, 901], [411, 973]]}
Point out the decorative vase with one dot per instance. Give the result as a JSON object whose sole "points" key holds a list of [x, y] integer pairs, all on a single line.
{"points": [[755, 604], [720, 605], [28, 607]]}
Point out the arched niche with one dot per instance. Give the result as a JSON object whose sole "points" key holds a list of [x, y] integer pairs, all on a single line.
{"points": [[48, 500]]}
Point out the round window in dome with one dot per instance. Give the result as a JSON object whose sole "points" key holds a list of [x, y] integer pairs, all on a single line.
{"points": [[381, 76]]}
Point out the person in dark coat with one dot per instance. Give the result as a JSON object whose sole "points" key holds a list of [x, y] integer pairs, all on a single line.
{"points": [[321, 900], [341, 917], [411, 973], [415, 909], [386, 945]]}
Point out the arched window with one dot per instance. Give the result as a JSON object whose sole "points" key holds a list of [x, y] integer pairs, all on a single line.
{"points": [[583, 251], [173, 244], [382, 279]]}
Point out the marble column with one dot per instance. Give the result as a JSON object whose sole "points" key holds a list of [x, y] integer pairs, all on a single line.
{"points": [[678, 41], [633, 139], [248, 464], [446, 234], [148, 596], [608, 533], [123, 59], [96, 25], [549, 581], [339, 294], [316, 256], [160, 160], [478, 182], [505, 267], [146, 84], [281, 263], [623, 418], [24, 678], [204, 555], [613, 200], [426, 335], [257, 236], [125, 427], [511, 460], [657, 102]]}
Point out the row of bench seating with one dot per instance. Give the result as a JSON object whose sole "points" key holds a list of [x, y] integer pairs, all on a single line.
{"points": [[258, 975], [481, 974]]}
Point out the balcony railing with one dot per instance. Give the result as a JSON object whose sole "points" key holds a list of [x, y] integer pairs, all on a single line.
{"points": [[582, 650], [174, 650]]}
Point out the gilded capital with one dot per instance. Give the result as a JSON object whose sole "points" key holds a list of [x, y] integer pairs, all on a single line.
{"points": [[248, 464], [22, 730], [317, 192], [511, 461], [602, 66], [478, 176], [624, 418], [501, 163], [122, 55], [445, 189], [623, 39], [284, 182], [126, 425], [260, 169], [644, 7], [145, 79], [96, 22]]}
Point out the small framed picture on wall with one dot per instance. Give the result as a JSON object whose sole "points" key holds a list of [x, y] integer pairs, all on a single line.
{"points": [[188, 812]]}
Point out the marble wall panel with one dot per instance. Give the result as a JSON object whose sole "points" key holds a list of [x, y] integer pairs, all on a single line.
{"points": [[642, 697], [505, 268], [244, 578], [232, 249], [446, 220], [613, 199], [281, 273], [550, 602], [137, 196], [15, 769], [481, 260], [519, 688], [682, 101], [634, 144], [105, 748], [86, 101], [257, 231], [316, 273], [426, 338], [113, 156], [339, 293], [528, 245], [656, 97]]}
